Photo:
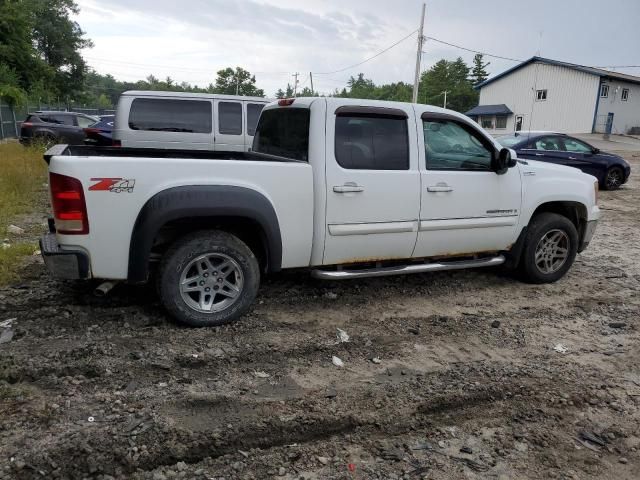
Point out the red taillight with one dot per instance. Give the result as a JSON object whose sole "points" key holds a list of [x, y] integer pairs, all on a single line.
{"points": [[285, 102], [91, 130], [116, 143], [27, 124], [69, 207]]}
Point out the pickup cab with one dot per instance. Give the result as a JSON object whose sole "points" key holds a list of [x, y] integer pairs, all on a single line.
{"points": [[348, 188]]}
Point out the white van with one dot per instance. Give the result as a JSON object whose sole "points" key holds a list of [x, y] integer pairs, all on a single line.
{"points": [[186, 121]]}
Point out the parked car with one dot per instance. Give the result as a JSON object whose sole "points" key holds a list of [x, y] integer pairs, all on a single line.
{"points": [[187, 121], [52, 127], [100, 133], [611, 170], [349, 188]]}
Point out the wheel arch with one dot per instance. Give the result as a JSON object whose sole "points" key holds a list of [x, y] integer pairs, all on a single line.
{"points": [[177, 211]]}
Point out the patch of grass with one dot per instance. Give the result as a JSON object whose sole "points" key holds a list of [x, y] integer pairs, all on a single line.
{"points": [[22, 173]]}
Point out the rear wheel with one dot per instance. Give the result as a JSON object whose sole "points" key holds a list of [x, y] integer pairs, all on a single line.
{"points": [[550, 248], [613, 179], [208, 278]]}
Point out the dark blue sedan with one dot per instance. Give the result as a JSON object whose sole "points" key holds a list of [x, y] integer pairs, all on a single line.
{"points": [[610, 170]]}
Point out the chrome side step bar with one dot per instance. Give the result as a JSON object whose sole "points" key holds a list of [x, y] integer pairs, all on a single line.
{"points": [[404, 269]]}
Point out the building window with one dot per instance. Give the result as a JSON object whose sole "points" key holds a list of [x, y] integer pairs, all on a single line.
{"points": [[604, 91], [625, 95], [541, 95], [501, 122], [487, 122]]}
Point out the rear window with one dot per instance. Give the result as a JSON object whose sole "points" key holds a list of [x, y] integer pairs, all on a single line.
{"points": [[283, 132], [253, 114], [509, 140], [164, 115]]}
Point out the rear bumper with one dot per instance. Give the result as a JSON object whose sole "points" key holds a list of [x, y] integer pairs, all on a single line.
{"points": [[589, 230], [65, 264]]}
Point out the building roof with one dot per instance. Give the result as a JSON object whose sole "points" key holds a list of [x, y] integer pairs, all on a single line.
{"points": [[582, 68], [500, 109]]}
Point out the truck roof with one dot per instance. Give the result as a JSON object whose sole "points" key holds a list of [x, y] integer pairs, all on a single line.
{"points": [[161, 93]]}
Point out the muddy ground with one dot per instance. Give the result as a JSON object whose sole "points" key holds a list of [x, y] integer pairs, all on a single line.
{"points": [[468, 383]]}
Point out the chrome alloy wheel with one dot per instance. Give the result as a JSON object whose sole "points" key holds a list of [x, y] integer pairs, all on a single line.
{"points": [[552, 251], [613, 179], [211, 282]]}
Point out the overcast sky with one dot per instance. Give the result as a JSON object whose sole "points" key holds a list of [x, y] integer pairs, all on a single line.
{"points": [[190, 40]]}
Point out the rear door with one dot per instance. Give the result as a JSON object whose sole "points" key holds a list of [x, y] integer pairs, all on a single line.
{"points": [[62, 125], [545, 149], [373, 184], [252, 114], [230, 126]]}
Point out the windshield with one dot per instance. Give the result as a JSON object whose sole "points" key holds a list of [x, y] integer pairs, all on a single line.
{"points": [[283, 132], [509, 140]]}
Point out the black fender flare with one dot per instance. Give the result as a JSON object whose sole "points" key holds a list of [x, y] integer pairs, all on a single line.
{"points": [[201, 201]]}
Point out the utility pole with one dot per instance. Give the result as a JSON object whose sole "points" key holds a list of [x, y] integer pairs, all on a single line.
{"points": [[295, 84], [416, 81], [445, 99], [237, 83], [311, 78]]}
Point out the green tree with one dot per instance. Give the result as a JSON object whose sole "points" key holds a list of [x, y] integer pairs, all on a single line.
{"points": [[452, 77], [280, 93], [10, 90], [237, 82], [104, 101], [478, 72]]}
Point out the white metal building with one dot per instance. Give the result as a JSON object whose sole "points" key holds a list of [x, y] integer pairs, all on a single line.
{"points": [[544, 94]]}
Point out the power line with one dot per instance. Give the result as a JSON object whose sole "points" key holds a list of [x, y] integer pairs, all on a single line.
{"points": [[368, 59], [473, 51]]}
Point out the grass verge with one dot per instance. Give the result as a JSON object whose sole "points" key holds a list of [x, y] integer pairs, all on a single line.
{"points": [[22, 174]]}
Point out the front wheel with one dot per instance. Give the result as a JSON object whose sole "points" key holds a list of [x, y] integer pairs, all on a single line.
{"points": [[208, 278], [613, 179], [550, 248]]}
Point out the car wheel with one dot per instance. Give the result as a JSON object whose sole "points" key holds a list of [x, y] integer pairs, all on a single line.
{"points": [[550, 248], [613, 179], [208, 278]]}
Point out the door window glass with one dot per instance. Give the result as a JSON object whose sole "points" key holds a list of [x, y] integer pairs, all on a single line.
{"points": [[168, 115], [84, 122], [548, 143], [451, 145], [253, 114], [372, 142], [572, 145], [230, 118], [283, 132]]}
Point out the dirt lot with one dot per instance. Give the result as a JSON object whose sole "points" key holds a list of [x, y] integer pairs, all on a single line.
{"points": [[468, 383]]}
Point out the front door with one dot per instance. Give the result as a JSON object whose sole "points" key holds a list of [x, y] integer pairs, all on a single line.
{"points": [[373, 184], [466, 207]]}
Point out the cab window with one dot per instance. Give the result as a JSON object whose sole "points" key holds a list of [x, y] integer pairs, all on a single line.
{"points": [[452, 145]]}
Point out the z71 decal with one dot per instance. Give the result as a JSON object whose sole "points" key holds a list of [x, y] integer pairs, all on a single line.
{"points": [[115, 185]]}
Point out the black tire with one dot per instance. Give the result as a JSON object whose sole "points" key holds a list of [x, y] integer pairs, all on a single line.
{"points": [[179, 260], [613, 179], [541, 225]]}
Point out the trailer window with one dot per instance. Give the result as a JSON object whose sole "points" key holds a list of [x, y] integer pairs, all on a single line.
{"points": [[283, 132], [168, 115]]}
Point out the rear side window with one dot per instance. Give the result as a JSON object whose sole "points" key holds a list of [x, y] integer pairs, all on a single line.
{"points": [[230, 118], [253, 114], [57, 119], [283, 132], [168, 115], [548, 143], [372, 142]]}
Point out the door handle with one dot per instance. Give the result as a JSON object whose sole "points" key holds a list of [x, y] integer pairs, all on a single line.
{"points": [[572, 158], [439, 188], [539, 154], [349, 187]]}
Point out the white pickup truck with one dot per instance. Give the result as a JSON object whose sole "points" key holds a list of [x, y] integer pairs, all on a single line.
{"points": [[349, 188]]}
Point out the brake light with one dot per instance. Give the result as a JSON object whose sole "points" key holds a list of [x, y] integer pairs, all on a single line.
{"points": [[69, 207], [91, 130], [27, 124], [285, 102], [116, 143]]}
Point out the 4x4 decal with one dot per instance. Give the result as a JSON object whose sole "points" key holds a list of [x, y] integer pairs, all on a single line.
{"points": [[115, 185]]}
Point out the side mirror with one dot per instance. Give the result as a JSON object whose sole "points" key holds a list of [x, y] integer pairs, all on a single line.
{"points": [[503, 161], [595, 150]]}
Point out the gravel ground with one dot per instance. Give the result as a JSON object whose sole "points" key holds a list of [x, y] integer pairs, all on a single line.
{"points": [[448, 375]]}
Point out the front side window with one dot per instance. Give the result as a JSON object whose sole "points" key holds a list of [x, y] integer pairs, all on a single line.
{"points": [[230, 118], [573, 145], [548, 143], [541, 95], [283, 132], [604, 91], [374, 142], [84, 122], [253, 114], [451, 145], [625, 95], [168, 115]]}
